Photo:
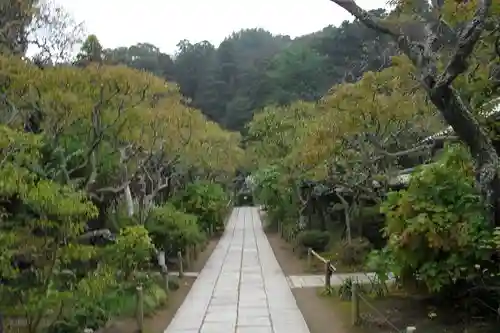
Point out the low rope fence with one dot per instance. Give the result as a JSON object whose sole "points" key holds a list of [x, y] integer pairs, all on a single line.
{"points": [[356, 293]]}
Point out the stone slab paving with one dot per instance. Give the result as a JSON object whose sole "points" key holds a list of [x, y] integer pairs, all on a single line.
{"points": [[188, 274], [310, 281], [242, 288]]}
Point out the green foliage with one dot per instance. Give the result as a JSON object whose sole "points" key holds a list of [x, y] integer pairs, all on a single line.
{"points": [[143, 56], [171, 230], [253, 68], [48, 216], [116, 302], [122, 302], [91, 51], [74, 137], [437, 228], [274, 192], [206, 200], [354, 253], [297, 73], [314, 239], [133, 246]]}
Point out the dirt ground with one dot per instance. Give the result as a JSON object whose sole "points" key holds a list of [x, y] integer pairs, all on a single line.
{"points": [[162, 318], [317, 310]]}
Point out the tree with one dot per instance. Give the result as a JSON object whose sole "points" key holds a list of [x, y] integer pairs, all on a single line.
{"points": [[425, 55], [53, 33], [90, 51], [14, 25], [226, 83], [142, 56], [352, 49], [274, 132], [192, 63], [297, 73], [90, 151], [438, 228], [39, 222]]}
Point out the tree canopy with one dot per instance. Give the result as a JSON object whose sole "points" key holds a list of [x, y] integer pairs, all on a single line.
{"points": [[253, 68], [117, 155], [336, 163]]}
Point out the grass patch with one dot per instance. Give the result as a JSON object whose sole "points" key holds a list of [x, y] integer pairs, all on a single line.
{"points": [[122, 302], [116, 303]]}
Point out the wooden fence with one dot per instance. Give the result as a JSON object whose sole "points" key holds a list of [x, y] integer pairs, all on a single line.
{"points": [[289, 235], [356, 294], [184, 261]]}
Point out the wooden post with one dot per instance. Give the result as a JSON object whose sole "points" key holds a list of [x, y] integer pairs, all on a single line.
{"points": [[188, 256], [328, 275], [166, 277], [354, 303], [181, 264], [411, 329], [195, 252], [140, 309], [309, 258]]}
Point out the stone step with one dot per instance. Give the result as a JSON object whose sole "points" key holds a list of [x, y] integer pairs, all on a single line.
{"points": [[314, 281]]}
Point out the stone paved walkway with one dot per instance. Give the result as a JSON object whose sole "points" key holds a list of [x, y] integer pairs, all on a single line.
{"points": [[242, 288], [313, 281]]}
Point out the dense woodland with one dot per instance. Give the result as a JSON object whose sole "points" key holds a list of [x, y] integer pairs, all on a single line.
{"points": [[359, 175], [254, 68], [103, 168], [115, 156]]}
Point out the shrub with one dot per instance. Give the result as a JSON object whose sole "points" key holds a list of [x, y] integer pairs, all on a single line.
{"points": [[120, 301], [172, 230], [132, 248], [437, 228], [207, 201], [90, 316], [277, 194], [314, 239], [355, 252], [85, 307]]}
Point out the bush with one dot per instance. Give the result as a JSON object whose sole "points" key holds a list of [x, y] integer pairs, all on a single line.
{"points": [[354, 253], [437, 228], [277, 194], [172, 230], [120, 301], [90, 316], [314, 239], [132, 248], [206, 200]]}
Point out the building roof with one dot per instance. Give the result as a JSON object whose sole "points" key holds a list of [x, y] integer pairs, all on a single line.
{"points": [[404, 176], [490, 113]]}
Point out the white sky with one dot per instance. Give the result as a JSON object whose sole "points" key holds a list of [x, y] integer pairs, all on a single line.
{"points": [[165, 22]]}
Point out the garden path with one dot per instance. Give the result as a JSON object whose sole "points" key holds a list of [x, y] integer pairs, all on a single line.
{"points": [[242, 287]]}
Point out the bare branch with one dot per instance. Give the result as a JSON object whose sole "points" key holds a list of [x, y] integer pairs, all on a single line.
{"points": [[365, 17], [466, 42]]}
